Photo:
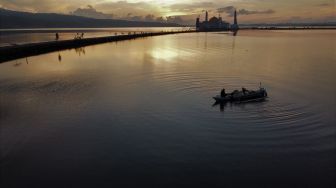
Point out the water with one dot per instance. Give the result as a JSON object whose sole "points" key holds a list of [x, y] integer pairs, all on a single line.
{"points": [[9, 37], [139, 113]]}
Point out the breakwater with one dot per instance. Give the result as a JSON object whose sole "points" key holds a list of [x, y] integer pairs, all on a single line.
{"points": [[8, 53]]}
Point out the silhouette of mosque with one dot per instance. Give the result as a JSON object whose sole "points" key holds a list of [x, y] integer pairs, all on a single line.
{"points": [[216, 24]]}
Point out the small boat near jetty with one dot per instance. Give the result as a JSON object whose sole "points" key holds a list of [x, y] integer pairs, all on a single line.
{"points": [[243, 95]]}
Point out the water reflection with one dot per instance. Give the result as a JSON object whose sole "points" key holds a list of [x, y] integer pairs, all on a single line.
{"points": [[206, 41], [233, 46], [59, 57], [80, 51], [163, 54], [16, 64], [223, 106], [145, 105]]}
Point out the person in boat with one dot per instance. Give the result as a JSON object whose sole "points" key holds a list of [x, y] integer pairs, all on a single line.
{"points": [[244, 90], [223, 94]]}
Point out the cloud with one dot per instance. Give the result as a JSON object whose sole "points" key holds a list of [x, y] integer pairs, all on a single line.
{"points": [[91, 12], [55, 6], [183, 10], [299, 19], [160, 19], [139, 8], [324, 5], [182, 19], [229, 10], [248, 12], [132, 17], [184, 7], [174, 19], [150, 18]]}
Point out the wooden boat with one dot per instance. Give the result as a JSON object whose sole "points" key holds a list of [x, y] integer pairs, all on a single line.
{"points": [[242, 96]]}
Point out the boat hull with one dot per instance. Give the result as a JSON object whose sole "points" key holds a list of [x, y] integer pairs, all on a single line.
{"points": [[249, 96]]}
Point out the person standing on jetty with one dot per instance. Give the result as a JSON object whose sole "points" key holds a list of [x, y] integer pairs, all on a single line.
{"points": [[56, 36]]}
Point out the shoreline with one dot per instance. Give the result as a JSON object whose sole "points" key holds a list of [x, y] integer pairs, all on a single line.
{"points": [[88, 30], [287, 28], [8, 53]]}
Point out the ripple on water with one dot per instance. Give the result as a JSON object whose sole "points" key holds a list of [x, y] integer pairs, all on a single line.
{"points": [[194, 82], [273, 123]]}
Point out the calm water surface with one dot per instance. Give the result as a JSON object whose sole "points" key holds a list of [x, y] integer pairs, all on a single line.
{"points": [[139, 113], [9, 37]]}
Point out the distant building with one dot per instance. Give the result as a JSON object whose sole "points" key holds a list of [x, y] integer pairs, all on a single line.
{"points": [[235, 26], [216, 24]]}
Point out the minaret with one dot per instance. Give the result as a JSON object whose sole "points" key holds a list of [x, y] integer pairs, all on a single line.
{"points": [[235, 18], [235, 26], [197, 23], [206, 16]]}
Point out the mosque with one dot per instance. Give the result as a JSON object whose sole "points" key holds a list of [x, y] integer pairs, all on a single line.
{"points": [[216, 24]]}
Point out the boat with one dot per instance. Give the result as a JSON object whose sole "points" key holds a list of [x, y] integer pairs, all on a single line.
{"points": [[242, 96]]}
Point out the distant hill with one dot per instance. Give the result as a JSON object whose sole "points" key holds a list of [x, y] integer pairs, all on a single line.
{"points": [[311, 24], [15, 20]]}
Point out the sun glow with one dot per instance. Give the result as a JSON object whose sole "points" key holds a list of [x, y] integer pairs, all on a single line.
{"points": [[163, 54], [252, 11]]}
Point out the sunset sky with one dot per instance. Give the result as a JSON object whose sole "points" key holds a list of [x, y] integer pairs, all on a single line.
{"points": [[250, 11]]}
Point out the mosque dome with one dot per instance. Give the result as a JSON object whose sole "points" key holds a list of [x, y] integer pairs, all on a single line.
{"points": [[214, 20]]}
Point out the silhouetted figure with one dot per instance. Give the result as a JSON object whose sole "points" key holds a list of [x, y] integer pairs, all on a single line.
{"points": [[244, 90], [79, 36], [56, 36], [223, 94]]}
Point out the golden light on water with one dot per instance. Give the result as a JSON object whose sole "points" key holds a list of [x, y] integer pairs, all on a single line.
{"points": [[165, 54]]}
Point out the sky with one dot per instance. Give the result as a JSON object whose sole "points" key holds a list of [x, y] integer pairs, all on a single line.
{"points": [[185, 11]]}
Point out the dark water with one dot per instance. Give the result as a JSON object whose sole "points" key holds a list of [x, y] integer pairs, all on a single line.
{"points": [[139, 113]]}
